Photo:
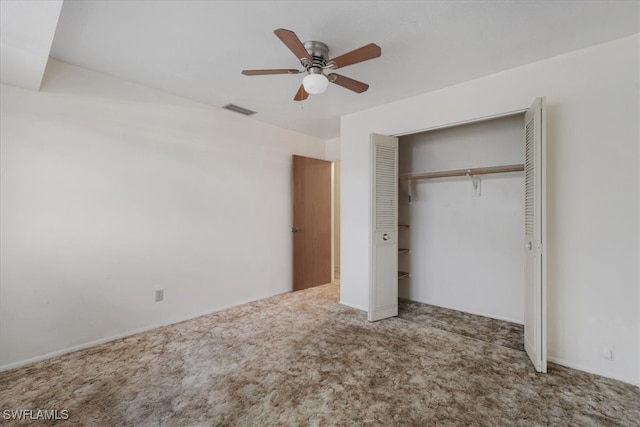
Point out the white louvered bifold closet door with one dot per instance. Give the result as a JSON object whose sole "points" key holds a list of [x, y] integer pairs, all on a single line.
{"points": [[534, 229], [383, 289]]}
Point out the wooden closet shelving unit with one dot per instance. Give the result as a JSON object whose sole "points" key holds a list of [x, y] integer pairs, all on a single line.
{"points": [[402, 274]]}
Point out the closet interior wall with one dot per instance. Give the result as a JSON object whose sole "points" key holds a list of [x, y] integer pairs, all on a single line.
{"points": [[466, 250]]}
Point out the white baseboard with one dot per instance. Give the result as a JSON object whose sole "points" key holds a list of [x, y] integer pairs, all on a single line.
{"points": [[357, 307], [579, 367], [83, 346], [29, 361]]}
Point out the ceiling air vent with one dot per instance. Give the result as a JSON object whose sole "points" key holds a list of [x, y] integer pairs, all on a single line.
{"points": [[237, 109]]}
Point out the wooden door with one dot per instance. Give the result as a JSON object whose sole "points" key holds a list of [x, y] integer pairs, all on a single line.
{"points": [[383, 287], [535, 322], [311, 222]]}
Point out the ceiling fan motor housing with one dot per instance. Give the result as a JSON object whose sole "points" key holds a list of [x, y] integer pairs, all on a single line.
{"points": [[319, 56]]}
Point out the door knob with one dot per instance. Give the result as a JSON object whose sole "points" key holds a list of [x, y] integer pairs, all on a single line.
{"points": [[385, 236], [529, 246]]}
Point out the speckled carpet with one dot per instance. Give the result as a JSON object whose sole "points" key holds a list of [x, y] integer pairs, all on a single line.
{"points": [[302, 359], [478, 327]]}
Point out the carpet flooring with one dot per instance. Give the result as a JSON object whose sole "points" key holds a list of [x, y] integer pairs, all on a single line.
{"points": [[303, 359], [494, 331]]}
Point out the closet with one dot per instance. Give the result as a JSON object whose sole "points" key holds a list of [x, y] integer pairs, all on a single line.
{"points": [[461, 215], [471, 237]]}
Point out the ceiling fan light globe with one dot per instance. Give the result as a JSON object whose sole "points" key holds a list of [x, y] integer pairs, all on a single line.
{"points": [[315, 83]]}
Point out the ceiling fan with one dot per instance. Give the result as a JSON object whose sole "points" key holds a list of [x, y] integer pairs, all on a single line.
{"points": [[314, 57]]}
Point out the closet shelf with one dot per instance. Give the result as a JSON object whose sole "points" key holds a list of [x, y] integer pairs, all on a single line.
{"points": [[403, 226], [402, 250], [464, 172], [402, 274]]}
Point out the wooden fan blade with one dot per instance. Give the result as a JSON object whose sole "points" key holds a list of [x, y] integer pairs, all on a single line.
{"points": [[348, 83], [364, 53], [294, 44], [266, 72], [301, 95]]}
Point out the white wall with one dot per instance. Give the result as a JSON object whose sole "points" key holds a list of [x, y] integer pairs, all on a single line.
{"points": [[332, 150], [110, 190], [593, 284], [466, 252], [26, 34]]}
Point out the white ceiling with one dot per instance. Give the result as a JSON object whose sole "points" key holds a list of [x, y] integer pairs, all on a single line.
{"points": [[196, 49]]}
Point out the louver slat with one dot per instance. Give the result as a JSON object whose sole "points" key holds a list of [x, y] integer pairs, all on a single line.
{"points": [[529, 178], [385, 188]]}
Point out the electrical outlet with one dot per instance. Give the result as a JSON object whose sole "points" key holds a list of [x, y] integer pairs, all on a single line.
{"points": [[607, 352], [159, 295]]}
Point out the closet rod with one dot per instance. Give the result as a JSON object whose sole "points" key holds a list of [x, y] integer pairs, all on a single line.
{"points": [[465, 172]]}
